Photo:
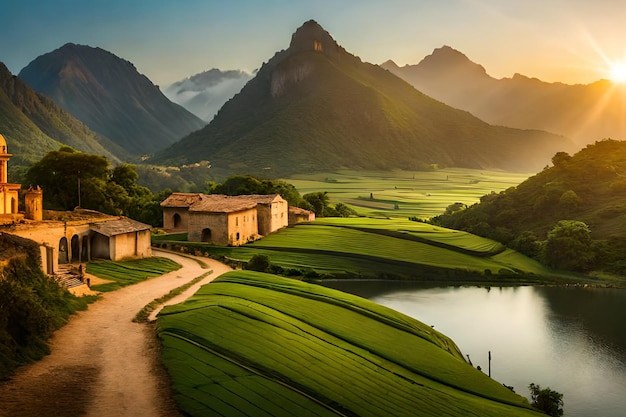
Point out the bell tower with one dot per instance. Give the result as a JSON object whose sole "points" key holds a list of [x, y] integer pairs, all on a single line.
{"points": [[8, 192]]}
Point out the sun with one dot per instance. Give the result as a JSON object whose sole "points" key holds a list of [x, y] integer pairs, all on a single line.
{"points": [[618, 73]]}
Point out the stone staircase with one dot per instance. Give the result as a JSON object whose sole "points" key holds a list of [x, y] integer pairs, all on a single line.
{"points": [[67, 277]]}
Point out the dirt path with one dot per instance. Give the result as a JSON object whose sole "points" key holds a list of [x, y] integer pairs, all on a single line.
{"points": [[101, 363]]}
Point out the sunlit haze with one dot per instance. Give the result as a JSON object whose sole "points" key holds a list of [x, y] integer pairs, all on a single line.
{"points": [[167, 41]]}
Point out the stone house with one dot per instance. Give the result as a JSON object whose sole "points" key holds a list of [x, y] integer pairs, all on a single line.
{"points": [[299, 215], [224, 220], [67, 237]]}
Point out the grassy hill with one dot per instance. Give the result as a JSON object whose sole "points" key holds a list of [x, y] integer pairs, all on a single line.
{"points": [[257, 344], [384, 248], [589, 186], [315, 107]]}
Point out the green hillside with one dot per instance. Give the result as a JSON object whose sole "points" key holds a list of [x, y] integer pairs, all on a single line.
{"points": [[588, 187], [33, 125], [315, 107], [384, 248], [256, 344]]}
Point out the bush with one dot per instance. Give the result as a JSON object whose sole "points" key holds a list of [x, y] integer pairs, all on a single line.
{"points": [[259, 263], [546, 400]]}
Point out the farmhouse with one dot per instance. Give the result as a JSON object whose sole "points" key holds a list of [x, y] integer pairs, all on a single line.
{"points": [[224, 220], [67, 237]]}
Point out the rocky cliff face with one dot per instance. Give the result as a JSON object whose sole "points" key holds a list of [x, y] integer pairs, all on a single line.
{"points": [[110, 96]]}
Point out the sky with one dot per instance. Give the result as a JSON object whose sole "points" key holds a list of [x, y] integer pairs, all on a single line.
{"points": [[571, 41]]}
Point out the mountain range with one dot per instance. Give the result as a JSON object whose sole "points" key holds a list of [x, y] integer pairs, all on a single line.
{"points": [[316, 107], [34, 125], [203, 94], [583, 112], [110, 96]]}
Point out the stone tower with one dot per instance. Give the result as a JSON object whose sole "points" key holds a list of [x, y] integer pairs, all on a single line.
{"points": [[8, 191], [33, 201]]}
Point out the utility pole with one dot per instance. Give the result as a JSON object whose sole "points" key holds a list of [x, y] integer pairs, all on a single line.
{"points": [[489, 364]]}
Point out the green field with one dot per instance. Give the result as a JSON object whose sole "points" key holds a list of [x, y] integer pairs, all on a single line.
{"points": [[252, 344], [129, 272], [403, 193], [386, 248]]}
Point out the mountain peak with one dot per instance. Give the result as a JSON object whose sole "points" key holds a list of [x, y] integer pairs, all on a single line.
{"points": [[312, 37], [448, 57]]}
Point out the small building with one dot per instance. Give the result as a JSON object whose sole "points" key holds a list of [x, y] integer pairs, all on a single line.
{"points": [[300, 215], [224, 220], [120, 238]]}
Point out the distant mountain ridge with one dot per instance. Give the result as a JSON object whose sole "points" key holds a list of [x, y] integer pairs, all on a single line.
{"points": [[316, 107], [33, 125], [203, 94], [584, 113], [110, 96]]}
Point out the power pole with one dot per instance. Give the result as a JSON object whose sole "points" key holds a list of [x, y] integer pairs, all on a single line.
{"points": [[489, 364]]}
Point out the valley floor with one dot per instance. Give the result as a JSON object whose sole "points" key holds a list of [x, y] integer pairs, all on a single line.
{"points": [[101, 363]]}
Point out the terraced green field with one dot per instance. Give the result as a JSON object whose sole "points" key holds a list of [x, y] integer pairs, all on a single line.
{"points": [[385, 248], [404, 193], [129, 272], [252, 344]]}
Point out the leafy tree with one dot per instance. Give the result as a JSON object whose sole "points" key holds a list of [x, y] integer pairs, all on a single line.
{"points": [[247, 184], [569, 246], [112, 191], [344, 211], [58, 173], [546, 400], [319, 202]]}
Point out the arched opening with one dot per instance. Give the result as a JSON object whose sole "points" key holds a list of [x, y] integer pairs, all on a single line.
{"points": [[63, 257], [206, 235], [75, 249], [13, 205], [177, 220]]}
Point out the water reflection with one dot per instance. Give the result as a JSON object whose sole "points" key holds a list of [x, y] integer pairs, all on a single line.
{"points": [[570, 339]]}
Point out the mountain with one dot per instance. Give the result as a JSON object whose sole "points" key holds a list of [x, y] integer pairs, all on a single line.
{"points": [[111, 97], [316, 107], [33, 125], [584, 113], [203, 94]]}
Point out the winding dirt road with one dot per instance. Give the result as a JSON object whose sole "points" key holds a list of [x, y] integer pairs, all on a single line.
{"points": [[101, 363]]}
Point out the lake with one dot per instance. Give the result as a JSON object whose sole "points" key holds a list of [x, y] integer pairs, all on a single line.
{"points": [[572, 340]]}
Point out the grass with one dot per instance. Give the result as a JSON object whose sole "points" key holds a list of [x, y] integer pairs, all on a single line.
{"points": [[124, 273], [257, 344], [387, 248], [403, 194]]}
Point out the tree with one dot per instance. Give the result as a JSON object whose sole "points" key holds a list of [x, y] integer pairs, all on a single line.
{"points": [[546, 400], [319, 201], [569, 246], [344, 211], [58, 173]]}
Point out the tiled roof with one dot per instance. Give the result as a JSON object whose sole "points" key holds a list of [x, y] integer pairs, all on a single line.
{"points": [[118, 227], [181, 200], [216, 203]]}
